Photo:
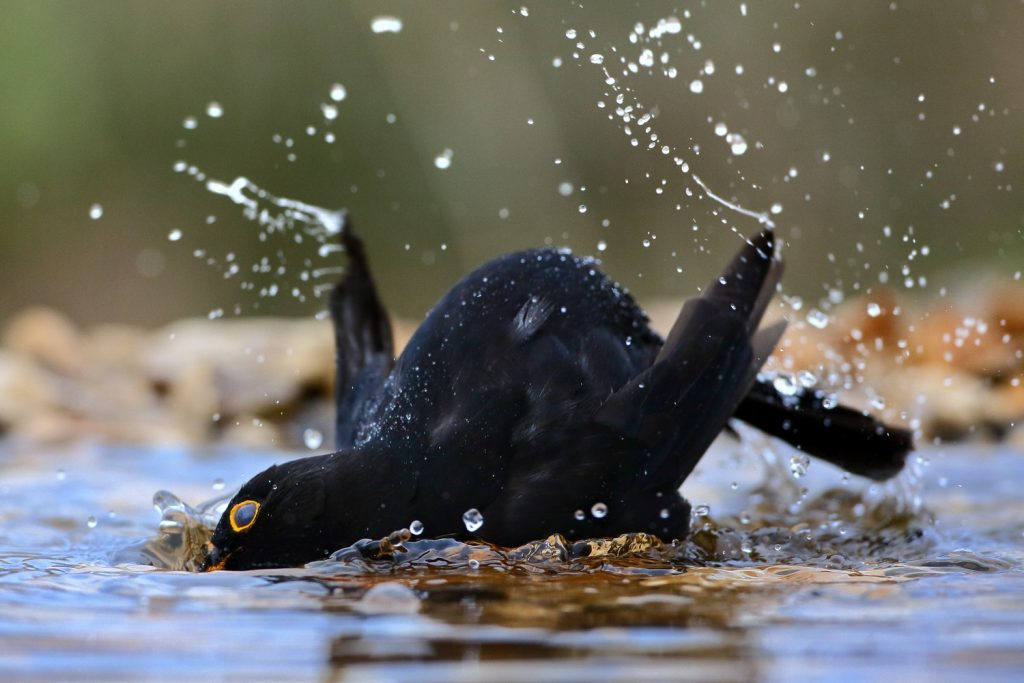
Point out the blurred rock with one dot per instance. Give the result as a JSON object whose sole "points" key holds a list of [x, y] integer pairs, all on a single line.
{"points": [[953, 369], [48, 337], [250, 365], [25, 389]]}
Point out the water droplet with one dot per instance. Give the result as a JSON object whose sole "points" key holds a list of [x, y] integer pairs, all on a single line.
{"points": [[702, 510], [218, 484], [444, 159], [602, 245], [599, 510], [664, 513], [472, 519], [798, 465], [91, 522], [386, 24], [190, 123], [96, 212], [571, 34], [214, 110], [597, 59], [524, 11], [746, 546], [565, 188], [874, 310], [330, 111], [474, 564], [312, 438], [580, 515], [338, 92], [174, 235], [786, 384], [737, 143], [582, 208], [696, 86], [817, 319], [416, 527]]}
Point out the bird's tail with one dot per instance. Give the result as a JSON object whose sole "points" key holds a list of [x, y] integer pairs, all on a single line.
{"points": [[842, 436]]}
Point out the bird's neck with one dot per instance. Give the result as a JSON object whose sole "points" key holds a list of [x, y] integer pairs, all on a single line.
{"points": [[369, 493]]}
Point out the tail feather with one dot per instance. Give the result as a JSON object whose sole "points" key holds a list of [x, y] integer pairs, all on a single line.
{"points": [[856, 442]]}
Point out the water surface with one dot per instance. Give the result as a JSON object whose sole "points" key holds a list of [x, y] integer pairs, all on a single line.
{"points": [[887, 590]]}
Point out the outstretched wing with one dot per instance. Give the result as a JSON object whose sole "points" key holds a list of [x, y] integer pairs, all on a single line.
{"points": [[710, 359], [364, 352]]}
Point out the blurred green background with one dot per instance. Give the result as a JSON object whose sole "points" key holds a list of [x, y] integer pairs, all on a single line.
{"points": [[855, 116]]}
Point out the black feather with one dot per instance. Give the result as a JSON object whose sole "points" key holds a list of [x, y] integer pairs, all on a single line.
{"points": [[364, 353], [845, 437], [536, 393]]}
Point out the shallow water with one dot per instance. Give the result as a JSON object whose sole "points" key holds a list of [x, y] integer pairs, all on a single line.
{"points": [[831, 590]]}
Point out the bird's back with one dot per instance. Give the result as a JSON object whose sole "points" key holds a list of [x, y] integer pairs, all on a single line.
{"points": [[497, 387]]}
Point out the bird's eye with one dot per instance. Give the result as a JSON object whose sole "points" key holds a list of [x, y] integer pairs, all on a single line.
{"points": [[243, 515]]}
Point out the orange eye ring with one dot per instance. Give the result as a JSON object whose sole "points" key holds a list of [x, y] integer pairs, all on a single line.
{"points": [[243, 515]]}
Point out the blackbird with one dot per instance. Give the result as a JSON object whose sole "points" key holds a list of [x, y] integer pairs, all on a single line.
{"points": [[535, 399]]}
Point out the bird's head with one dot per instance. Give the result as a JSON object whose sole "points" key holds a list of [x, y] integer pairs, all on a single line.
{"points": [[275, 520]]}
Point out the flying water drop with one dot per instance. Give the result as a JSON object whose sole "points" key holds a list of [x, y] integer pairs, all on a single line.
{"points": [[443, 160], [472, 519], [817, 318], [386, 24], [312, 438]]}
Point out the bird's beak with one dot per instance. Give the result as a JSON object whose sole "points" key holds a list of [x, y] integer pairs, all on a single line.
{"points": [[212, 558]]}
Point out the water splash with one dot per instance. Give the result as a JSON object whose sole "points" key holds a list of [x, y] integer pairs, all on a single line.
{"points": [[182, 531], [635, 113], [303, 234], [278, 213]]}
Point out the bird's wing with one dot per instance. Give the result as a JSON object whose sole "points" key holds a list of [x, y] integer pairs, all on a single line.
{"points": [[710, 359], [364, 353]]}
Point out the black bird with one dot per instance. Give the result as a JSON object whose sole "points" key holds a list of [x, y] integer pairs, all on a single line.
{"points": [[535, 399]]}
